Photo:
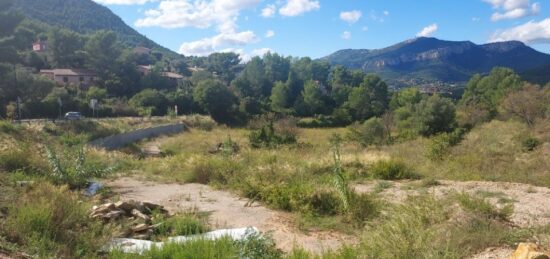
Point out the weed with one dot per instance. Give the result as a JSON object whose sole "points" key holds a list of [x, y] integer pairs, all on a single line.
{"points": [[179, 225], [530, 143], [391, 170], [483, 208], [382, 185], [72, 169], [51, 221]]}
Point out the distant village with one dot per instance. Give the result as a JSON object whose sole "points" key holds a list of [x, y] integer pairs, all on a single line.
{"points": [[86, 77]]}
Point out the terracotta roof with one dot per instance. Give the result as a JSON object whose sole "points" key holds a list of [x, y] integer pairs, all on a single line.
{"points": [[172, 75], [68, 72]]}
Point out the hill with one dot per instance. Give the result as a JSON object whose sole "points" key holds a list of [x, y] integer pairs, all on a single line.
{"points": [[84, 16], [423, 60]]}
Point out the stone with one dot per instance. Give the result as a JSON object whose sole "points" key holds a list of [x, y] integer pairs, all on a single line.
{"points": [[114, 214], [140, 228], [529, 251], [139, 214], [125, 206]]}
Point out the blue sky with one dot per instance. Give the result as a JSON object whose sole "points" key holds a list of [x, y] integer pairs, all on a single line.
{"points": [[317, 28]]}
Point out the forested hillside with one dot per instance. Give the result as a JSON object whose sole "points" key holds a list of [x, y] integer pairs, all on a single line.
{"points": [[84, 16]]}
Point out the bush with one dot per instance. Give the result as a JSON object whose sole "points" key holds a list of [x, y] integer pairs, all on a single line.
{"points": [[72, 169], [7, 127], [440, 144], [530, 143], [372, 132], [13, 160], [362, 207], [391, 170], [272, 136], [52, 222]]}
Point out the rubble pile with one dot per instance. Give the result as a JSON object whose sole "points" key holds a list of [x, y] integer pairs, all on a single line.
{"points": [[138, 214]]}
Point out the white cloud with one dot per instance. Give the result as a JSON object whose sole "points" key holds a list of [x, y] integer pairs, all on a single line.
{"points": [[269, 11], [378, 17], [475, 19], [298, 7], [269, 33], [428, 30], [346, 35], [512, 9], [245, 57], [123, 2], [198, 14], [365, 28], [529, 33], [207, 46], [351, 16]]}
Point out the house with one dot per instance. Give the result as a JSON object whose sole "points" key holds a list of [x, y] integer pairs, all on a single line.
{"points": [[39, 46], [142, 50], [174, 77], [82, 77]]}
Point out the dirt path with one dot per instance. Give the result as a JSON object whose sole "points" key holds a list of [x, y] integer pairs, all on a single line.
{"points": [[531, 204], [229, 211]]}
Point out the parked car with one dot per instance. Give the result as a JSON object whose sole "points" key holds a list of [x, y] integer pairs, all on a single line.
{"points": [[73, 116]]}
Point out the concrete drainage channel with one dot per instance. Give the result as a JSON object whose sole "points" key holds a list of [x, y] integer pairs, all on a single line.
{"points": [[124, 139]]}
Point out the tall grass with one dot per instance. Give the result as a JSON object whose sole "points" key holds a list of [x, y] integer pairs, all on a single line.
{"points": [[50, 221]]}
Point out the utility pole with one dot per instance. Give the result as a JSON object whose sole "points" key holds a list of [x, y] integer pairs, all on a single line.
{"points": [[18, 101]]}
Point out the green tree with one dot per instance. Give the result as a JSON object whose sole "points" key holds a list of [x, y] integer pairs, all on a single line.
{"points": [[280, 97], [371, 132], [149, 102], [223, 64], [10, 21], [489, 90], [95, 92], [102, 49], [369, 99], [313, 98], [405, 97], [435, 115], [66, 48], [215, 98]]}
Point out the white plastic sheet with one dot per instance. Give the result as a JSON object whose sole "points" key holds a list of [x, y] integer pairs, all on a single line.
{"points": [[128, 245]]}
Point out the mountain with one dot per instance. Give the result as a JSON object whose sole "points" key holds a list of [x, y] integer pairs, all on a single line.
{"points": [[84, 16], [424, 60]]}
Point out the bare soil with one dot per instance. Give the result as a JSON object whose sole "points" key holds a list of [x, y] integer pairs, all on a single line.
{"points": [[531, 204], [227, 210]]}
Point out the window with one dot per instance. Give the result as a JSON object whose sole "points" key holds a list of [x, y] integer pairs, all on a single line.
{"points": [[65, 79]]}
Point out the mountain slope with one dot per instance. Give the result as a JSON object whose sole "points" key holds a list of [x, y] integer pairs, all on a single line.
{"points": [[430, 60], [84, 16]]}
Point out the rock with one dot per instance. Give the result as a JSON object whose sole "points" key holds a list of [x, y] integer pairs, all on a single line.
{"points": [[139, 214], [125, 206], [113, 214], [140, 228], [529, 251]]}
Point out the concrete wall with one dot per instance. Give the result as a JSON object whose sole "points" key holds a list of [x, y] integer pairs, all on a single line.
{"points": [[121, 140]]}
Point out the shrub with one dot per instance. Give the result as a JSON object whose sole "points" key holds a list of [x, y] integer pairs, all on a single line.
{"points": [[72, 169], [52, 222], [362, 207], [372, 132], [530, 143], [269, 135], [440, 144], [391, 170], [325, 203], [7, 127]]}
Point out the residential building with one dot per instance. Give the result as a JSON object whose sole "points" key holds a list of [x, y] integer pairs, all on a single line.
{"points": [[82, 77], [39, 46]]}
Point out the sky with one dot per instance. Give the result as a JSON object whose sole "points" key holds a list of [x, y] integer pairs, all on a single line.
{"points": [[317, 28]]}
